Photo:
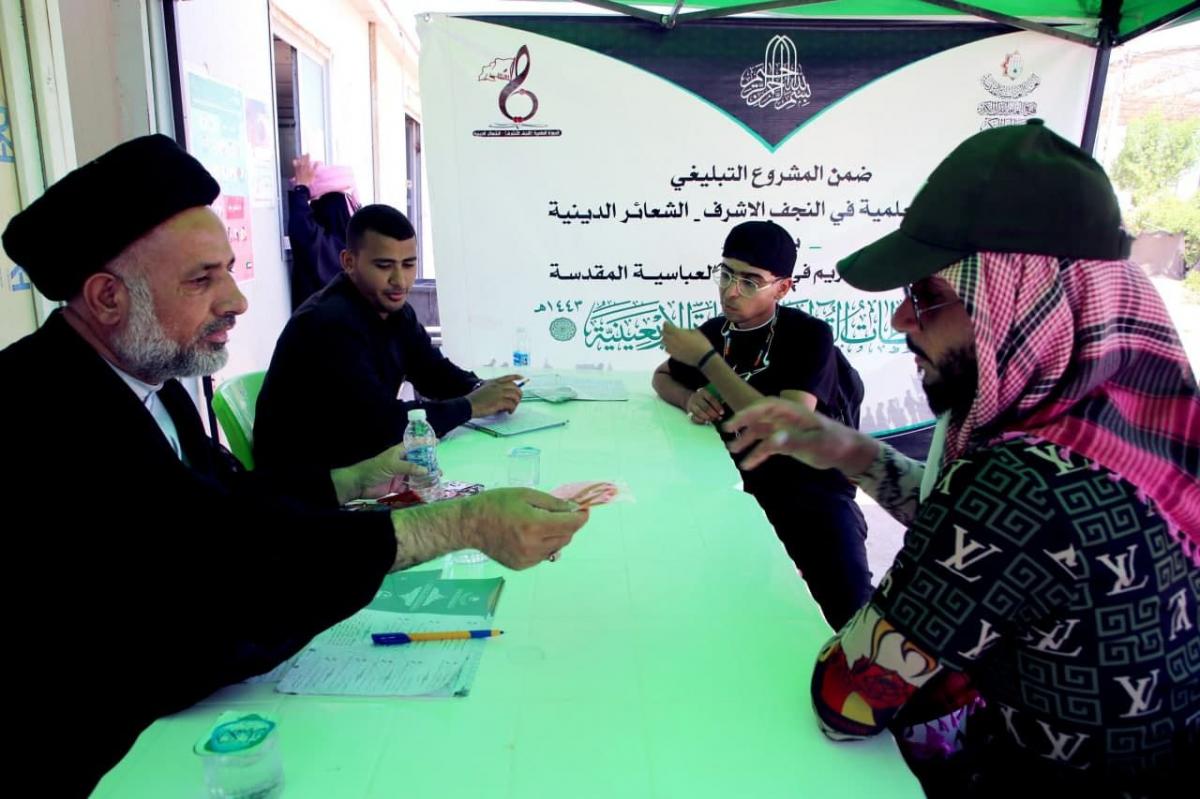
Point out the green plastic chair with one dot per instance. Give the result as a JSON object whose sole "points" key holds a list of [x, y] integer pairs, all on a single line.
{"points": [[233, 403]]}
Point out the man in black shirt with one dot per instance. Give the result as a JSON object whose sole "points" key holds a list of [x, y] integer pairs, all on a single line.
{"points": [[330, 394], [759, 348]]}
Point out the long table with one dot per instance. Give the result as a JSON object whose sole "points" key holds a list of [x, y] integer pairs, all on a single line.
{"points": [[667, 654]]}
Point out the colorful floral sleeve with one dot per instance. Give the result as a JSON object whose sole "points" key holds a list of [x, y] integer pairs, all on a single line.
{"points": [[865, 674]]}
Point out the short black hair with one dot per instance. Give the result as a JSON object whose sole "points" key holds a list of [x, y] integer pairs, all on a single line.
{"points": [[383, 219]]}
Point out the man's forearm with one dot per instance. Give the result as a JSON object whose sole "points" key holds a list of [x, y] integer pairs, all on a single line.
{"points": [[670, 389], [894, 481], [426, 532], [345, 483], [735, 392]]}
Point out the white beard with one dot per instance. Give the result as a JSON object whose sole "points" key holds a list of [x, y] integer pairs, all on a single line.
{"points": [[147, 352]]}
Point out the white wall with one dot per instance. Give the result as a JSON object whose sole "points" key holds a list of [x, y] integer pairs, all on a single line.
{"points": [[230, 41], [16, 299], [407, 50], [106, 49], [340, 26], [393, 167]]}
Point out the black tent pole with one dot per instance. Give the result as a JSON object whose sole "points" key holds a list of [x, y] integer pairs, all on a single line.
{"points": [[1110, 16]]}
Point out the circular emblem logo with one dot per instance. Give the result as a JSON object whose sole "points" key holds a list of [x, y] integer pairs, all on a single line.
{"points": [[562, 329]]}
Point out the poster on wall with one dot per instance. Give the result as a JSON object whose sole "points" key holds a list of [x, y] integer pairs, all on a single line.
{"points": [[263, 170], [217, 136], [583, 176], [234, 212], [8, 152]]}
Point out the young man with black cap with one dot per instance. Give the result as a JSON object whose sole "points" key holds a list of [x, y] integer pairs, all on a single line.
{"points": [[1040, 629], [758, 348], [153, 570], [351, 346]]}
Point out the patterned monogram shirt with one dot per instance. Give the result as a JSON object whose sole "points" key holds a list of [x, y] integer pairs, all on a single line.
{"points": [[1060, 593]]}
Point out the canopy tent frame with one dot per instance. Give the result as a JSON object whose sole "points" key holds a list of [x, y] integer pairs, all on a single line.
{"points": [[1107, 35], [1110, 12]]}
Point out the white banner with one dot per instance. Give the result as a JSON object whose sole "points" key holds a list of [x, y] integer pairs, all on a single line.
{"points": [[585, 195]]}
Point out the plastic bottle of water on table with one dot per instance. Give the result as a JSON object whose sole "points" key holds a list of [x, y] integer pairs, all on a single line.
{"points": [[420, 447], [520, 356]]}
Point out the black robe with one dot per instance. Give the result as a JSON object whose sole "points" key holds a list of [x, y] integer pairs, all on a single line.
{"points": [[137, 584]]}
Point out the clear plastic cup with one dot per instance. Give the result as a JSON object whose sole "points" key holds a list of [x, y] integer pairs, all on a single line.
{"points": [[241, 758], [524, 466]]}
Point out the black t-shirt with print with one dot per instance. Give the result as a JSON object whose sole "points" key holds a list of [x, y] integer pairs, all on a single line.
{"points": [[798, 357]]}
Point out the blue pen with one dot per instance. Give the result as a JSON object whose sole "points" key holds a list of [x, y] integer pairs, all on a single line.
{"points": [[392, 639]]}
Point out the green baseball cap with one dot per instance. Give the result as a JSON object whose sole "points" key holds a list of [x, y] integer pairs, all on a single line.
{"points": [[1019, 188]]}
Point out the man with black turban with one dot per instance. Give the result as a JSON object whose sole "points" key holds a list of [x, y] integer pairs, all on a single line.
{"points": [[153, 570]]}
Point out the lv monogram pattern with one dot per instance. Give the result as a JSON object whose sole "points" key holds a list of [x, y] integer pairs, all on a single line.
{"points": [[1066, 600]]}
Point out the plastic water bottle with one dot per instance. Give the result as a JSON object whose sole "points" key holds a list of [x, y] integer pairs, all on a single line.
{"points": [[520, 359], [420, 447]]}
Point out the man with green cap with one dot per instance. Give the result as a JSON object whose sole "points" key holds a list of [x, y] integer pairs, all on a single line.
{"points": [[1049, 584]]}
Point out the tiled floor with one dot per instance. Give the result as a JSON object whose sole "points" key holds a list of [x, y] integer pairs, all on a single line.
{"points": [[884, 536]]}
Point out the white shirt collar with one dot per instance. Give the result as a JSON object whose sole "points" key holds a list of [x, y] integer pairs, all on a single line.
{"points": [[142, 389], [147, 394]]}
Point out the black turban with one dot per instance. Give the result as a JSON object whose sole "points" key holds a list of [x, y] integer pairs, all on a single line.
{"points": [[103, 207]]}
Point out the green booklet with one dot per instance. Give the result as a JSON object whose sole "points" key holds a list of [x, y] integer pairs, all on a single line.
{"points": [[427, 592]]}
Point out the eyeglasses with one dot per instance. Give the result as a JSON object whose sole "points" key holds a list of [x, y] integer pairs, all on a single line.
{"points": [[745, 286], [920, 307]]}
